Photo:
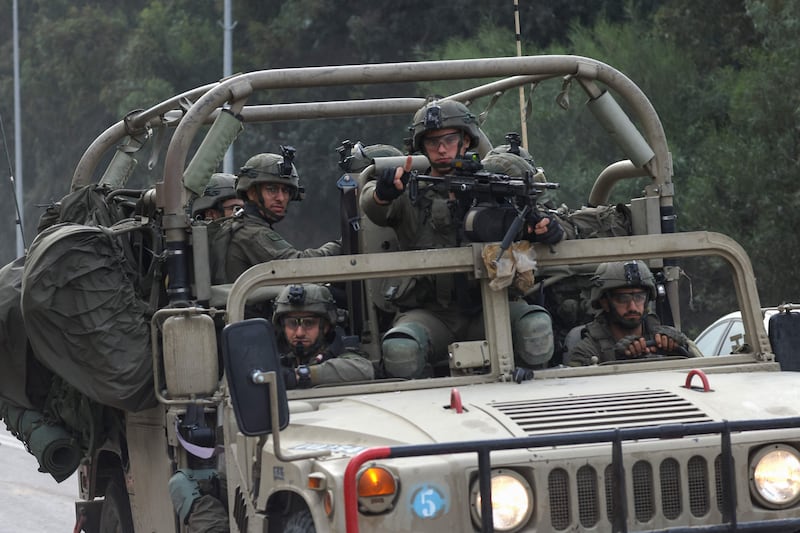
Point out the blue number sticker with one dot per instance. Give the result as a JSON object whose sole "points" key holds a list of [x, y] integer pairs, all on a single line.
{"points": [[428, 502]]}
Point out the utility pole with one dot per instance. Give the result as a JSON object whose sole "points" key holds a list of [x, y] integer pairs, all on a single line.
{"points": [[227, 68], [17, 137]]}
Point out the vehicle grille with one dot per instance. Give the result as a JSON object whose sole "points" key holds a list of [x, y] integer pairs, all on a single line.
{"points": [[582, 494], [608, 411], [657, 490]]}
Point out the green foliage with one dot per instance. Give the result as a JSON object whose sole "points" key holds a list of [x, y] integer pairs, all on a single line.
{"points": [[721, 74]]}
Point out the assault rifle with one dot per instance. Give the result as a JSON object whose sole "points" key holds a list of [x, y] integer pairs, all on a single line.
{"points": [[492, 207]]}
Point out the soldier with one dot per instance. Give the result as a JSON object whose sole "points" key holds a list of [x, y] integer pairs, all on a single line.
{"points": [[623, 326], [219, 198], [266, 183], [312, 348], [435, 310]]}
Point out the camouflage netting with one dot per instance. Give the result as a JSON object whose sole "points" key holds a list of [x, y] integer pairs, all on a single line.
{"points": [[84, 318]]}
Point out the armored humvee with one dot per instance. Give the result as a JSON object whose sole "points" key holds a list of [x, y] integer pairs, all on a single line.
{"points": [[665, 444]]}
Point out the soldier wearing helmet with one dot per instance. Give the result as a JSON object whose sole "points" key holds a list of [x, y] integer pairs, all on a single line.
{"points": [[266, 183], [312, 348], [219, 199], [438, 310], [624, 329]]}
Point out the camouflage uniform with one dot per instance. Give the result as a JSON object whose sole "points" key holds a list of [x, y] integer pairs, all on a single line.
{"points": [[328, 360], [253, 240], [249, 238], [597, 339], [437, 310]]}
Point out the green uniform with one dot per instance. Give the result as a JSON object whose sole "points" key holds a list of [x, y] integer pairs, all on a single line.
{"points": [[252, 240], [438, 310], [597, 340], [333, 363]]}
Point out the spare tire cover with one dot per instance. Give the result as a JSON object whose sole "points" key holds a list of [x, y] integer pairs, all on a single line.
{"points": [[83, 317]]}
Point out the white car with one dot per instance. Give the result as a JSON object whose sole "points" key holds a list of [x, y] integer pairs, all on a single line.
{"points": [[726, 334]]}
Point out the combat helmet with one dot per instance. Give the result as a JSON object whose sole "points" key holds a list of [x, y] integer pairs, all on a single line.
{"points": [[306, 298], [221, 186], [619, 275], [443, 114], [270, 168], [507, 163], [506, 148]]}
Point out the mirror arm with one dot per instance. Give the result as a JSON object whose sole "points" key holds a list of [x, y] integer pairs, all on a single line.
{"points": [[270, 379]]}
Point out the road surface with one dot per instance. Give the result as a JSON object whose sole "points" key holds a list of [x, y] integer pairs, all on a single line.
{"points": [[30, 501]]}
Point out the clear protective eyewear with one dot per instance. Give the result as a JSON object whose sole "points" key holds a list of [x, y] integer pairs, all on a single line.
{"points": [[275, 190], [306, 322], [625, 298], [448, 140]]}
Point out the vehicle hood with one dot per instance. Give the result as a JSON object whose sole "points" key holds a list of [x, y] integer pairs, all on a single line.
{"points": [[538, 407]]}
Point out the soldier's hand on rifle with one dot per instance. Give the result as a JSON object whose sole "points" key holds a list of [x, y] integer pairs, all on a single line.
{"points": [[546, 230], [392, 182]]}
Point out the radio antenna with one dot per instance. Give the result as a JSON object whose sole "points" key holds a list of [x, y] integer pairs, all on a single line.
{"points": [[522, 114], [18, 215]]}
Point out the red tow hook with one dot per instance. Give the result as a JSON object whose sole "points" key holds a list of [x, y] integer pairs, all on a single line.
{"points": [[455, 401], [697, 372]]}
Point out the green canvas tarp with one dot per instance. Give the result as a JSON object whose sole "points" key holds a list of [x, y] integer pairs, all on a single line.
{"points": [[83, 317]]}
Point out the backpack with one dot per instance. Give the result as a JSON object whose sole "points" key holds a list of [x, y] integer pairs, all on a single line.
{"points": [[594, 222]]}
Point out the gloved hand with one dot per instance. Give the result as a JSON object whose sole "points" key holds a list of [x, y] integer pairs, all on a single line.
{"points": [[385, 188], [522, 374], [554, 231], [671, 341], [184, 489], [630, 347]]}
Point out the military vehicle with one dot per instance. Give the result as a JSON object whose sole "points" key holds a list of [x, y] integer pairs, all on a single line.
{"points": [[664, 444]]}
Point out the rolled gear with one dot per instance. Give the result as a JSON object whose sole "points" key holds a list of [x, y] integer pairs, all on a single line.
{"points": [[443, 114], [54, 446], [221, 187], [618, 275]]}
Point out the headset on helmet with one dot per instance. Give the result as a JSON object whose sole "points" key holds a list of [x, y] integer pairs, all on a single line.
{"points": [[443, 114], [619, 275], [305, 298], [271, 168], [220, 187]]}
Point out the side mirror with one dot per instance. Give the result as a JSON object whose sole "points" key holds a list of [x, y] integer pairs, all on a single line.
{"points": [[255, 381]]}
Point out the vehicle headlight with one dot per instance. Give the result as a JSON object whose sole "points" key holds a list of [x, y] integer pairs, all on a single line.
{"points": [[512, 500], [775, 476]]}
